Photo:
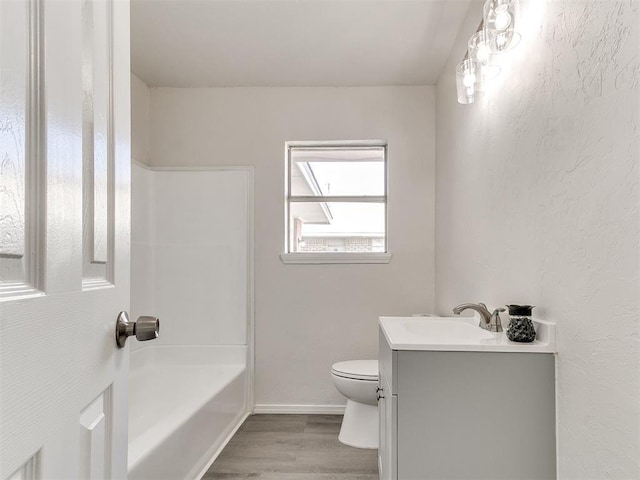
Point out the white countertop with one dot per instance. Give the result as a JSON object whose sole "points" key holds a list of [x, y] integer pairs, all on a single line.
{"points": [[461, 334]]}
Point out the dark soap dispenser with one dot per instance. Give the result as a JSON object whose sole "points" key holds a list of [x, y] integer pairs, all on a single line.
{"points": [[520, 324]]}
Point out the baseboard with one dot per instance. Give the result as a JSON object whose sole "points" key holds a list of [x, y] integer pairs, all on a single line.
{"points": [[299, 409]]}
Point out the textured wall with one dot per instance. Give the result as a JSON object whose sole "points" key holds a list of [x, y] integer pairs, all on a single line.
{"points": [[310, 316], [537, 202]]}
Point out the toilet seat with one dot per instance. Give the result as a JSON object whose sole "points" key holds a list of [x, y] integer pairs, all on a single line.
{"points": [[357, 369]]}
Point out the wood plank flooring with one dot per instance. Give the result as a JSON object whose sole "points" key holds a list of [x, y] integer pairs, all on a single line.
{"points": [[292, 447]]}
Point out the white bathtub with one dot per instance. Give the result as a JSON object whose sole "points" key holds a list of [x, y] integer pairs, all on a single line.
{"points": [[184, 404]]}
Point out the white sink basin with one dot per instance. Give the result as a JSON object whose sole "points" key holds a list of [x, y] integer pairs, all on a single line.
{"points": [[444, 330], [460, 334]]}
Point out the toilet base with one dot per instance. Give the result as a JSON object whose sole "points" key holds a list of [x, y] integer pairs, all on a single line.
{"points": [[359, 425]]}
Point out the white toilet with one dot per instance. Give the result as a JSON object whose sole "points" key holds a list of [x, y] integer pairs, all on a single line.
{"points": [[358, 381]]}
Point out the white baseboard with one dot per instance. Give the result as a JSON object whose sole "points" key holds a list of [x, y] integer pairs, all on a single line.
{"points": [[300, 409]]}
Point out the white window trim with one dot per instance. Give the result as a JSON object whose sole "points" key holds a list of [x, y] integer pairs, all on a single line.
{"points": [[315, 258]]}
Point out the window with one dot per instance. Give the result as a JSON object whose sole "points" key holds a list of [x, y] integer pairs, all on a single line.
{"points": [[336, 202]]}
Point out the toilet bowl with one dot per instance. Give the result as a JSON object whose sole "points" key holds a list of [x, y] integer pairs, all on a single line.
{"points": [[357, 380]]}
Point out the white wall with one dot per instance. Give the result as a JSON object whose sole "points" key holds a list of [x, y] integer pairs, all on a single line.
{"points": [[537, 202], [309, 316]]}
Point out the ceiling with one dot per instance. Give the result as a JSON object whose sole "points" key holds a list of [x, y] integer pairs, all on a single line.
{"points": [[232, 43]]}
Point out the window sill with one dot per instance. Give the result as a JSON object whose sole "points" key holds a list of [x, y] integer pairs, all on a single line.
{"points": [[334, 258]]}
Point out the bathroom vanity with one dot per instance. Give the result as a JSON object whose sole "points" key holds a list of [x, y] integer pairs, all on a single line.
{"points": [[458, 402]]}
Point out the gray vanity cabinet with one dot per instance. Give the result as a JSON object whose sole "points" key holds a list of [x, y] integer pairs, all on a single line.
{"points": [[466, 415]]}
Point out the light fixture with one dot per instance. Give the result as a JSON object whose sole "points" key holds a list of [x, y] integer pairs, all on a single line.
{"points": [[495, 34], [499, 18], [480, 50], [469, 80]]}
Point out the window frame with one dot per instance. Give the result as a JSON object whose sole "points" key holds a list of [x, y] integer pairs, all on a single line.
{"points": [[289, 257]]}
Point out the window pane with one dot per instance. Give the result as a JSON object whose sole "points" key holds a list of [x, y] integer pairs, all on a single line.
{"points": [[342, 172], [337, 227]]}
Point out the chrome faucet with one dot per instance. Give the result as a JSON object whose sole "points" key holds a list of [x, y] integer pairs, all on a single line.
{"points": [[488, 321]]}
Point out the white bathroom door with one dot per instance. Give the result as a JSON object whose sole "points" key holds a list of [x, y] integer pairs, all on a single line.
{"points": [[64, 237]]}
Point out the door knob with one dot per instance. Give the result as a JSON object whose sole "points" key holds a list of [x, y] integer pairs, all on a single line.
{"points": [[146, 328]]}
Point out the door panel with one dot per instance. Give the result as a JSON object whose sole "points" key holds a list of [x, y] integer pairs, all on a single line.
{"points": [[14, 21], [19, 136], [95, 428], [97, 144], [62, 379], [27, 472]]}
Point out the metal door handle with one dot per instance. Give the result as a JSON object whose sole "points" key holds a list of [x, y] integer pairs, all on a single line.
{"points": [[146, 328]]}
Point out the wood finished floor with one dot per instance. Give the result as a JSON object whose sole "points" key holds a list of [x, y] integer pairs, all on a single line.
{"points": [[292, 447]]}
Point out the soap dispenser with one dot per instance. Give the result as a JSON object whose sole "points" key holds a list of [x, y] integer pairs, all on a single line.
{"points": [[521, 327]]}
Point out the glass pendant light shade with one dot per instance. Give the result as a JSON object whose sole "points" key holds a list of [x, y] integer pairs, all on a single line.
{"points": [[496, 34], [500, 25], [469, 81], [480, 51], [479, 47]]}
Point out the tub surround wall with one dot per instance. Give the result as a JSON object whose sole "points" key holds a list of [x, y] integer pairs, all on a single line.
{"points": [[537, 202], [140, 96], [142, 207], [310, 316], [191, 266], [143, 270], [190, 254], [201, 256]]}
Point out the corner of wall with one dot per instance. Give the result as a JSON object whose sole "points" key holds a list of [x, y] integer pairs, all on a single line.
{"points": [[140, 103], [445, 93]]}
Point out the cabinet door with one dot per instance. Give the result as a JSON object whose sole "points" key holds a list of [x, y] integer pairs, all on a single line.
{"points": [[382, 427], [387, 449], [437, 426], [391, 421]]}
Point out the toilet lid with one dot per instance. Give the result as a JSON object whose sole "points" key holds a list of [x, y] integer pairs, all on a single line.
{"points": [[357, 369]]}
